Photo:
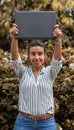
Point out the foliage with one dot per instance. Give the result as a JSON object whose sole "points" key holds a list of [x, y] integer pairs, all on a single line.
{"points": [[64, 84]]}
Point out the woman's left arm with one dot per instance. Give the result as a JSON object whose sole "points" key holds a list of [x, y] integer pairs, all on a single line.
{"points": [[58, 43], [56, 63]]}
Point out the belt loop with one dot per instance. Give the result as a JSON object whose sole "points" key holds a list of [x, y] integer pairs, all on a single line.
{"points": [[45, 117]]}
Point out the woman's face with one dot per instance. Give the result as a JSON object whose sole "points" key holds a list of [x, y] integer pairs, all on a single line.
{"points": [[36, 56]]}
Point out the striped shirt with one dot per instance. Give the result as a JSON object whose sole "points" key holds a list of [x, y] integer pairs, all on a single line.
{"points": [[36, 93]]}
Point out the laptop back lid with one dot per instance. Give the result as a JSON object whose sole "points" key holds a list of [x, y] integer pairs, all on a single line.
{"points": [[35, 24]]}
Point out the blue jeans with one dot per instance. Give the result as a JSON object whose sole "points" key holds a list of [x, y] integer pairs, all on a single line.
{"points": [[24, 123]]}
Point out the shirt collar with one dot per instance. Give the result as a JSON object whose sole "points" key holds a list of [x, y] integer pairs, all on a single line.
{"points": [[42, 70]]}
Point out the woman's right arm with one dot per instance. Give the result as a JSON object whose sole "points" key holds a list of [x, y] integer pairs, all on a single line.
{"points": [[15, 57], [14, 42]]}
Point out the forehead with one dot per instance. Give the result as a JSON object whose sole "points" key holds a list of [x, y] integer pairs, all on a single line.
{"points": [[36, 49]]}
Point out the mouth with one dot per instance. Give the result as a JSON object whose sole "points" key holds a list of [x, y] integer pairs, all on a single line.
{"points": [[37, 62]]}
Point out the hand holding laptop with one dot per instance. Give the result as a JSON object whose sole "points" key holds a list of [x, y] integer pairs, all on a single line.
{"points": [[13, 31]]}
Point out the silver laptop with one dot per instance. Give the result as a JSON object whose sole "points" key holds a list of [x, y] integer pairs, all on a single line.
{"points": [[35, 24]]}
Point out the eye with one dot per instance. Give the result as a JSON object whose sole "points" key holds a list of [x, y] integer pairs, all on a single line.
{"points": [[40, 53], [33, 53]]}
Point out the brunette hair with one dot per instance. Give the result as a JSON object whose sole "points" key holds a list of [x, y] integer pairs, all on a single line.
{"points": [[36, 43]]}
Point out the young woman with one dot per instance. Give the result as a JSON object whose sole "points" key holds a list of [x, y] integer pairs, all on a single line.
{"points": [[36, 105]]}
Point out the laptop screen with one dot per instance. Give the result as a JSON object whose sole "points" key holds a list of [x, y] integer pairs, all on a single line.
{"points": [[35, 24]]}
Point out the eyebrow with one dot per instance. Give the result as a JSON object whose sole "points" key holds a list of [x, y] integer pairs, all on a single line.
{"points": [[37, 52]]}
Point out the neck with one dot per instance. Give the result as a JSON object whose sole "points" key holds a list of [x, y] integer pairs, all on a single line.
{"points": [[36, 71]]}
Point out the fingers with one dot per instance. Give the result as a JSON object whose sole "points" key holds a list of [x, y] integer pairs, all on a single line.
{"points": [[56, 26], [14, 25], [14, 30], [57, 32]]}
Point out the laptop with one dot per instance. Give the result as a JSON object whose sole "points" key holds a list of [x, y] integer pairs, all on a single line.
{"points": [[35, 24]]}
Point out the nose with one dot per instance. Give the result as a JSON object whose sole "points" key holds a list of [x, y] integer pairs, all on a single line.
{"points": [[36, 57]]}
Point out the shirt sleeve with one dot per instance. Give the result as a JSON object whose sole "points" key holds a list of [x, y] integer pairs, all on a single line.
{"points": [[55, 67], [18, 67]]}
